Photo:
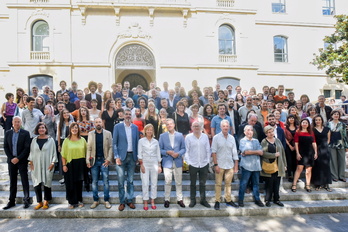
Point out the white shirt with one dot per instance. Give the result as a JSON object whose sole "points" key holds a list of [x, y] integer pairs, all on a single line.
{"points": [[149, 150], [198, 151], [171, 138], [129, 137], [225, 149]]}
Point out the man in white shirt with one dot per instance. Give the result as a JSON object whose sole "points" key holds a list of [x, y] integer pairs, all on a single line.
{"points": [[225, 158], [197, 157]]}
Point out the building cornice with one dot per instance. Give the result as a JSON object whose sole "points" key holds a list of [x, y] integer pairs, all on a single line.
{"points": [[224, 10], [293, 24], [61, 64], [36, 6], [208, 66], [281, 73], [4, 16]]}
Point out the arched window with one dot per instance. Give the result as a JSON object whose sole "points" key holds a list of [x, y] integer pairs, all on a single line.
{"points": [[226, 40], [40, 35], [280, 49], [39, 81]]}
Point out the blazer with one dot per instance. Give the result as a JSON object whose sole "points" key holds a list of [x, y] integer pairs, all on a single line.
{"points": [[88, 97], [91, 148], [23, 145], [179, 147], [120, 143], [327, 109]]}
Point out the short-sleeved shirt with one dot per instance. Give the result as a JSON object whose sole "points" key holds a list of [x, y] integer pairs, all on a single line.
{"points": [[250, 162], [215, 123]]}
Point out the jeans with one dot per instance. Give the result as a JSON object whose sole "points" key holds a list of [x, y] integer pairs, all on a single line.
{"points": [[246, 175], [128, 165], [96, 169]]}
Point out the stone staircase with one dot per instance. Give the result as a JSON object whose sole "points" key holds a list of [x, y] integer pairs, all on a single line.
{"points": [[299, 202]]}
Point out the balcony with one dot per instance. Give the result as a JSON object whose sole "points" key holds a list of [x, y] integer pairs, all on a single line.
{"points": [[39, 1], [39, 55], [223, 58], [225, 3]]}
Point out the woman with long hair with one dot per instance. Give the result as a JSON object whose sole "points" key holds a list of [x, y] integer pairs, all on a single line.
{"points": [[239, 101], [321, 174], [149, 156], [195, 116], [8, 110], [181, 119], [109, 116], [152, 118], [208, 115], [52, 97], [162, 127], [311, 112], [290, 152], [42, 158], [306, 153], [142, 103], [107, 96], [73, 152], [299, 108], [293, 110], [22, 105], [40, 103], [304, 99], [84, 122], [19, 94], [338, 145]]}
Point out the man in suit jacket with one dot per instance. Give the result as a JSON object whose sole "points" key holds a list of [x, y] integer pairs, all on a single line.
{"points": [[17, 148], [172, 145], [278, 131], [92, 86], [99, 157], [322, 109], [125, 144]]}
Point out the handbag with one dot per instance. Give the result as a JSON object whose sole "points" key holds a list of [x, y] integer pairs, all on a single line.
{"points": [[270, 168]]}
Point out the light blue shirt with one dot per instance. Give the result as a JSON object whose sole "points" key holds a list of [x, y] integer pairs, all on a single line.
{"points": [[215, 123], [250, 162], [14, 142]]}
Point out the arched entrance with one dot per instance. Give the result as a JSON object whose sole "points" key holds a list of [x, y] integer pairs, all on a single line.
{"points": [[135, 79], [136, 64]]}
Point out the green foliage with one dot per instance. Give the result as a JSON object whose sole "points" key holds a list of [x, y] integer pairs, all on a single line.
{"points": [[334, 58]]}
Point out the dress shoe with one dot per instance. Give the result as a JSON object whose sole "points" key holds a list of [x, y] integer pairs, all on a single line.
{"points": [[240, 203], [146, 208], [166, 204], [9, 205], [107, 205], [205, 204], [335, 180], [343, 180], [181, 203], [131, 205], [259, 203], [38, 206], [217, 205], [153, 207], [268, 204], [279, 203], [231, 203], [192, 204], [94, 205], [26, 205], [121, 207]]}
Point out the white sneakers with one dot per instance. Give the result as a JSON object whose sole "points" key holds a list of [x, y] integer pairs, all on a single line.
{"points": [[107, 205]]}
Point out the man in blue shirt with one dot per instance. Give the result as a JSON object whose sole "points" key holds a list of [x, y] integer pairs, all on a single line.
{"points": [[215, 122]]}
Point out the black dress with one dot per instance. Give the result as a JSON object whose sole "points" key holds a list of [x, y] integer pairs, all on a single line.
{"points": [[154, 122], [182, 123], [305, 140], [291, 155], [321, 173], [109, 121]]}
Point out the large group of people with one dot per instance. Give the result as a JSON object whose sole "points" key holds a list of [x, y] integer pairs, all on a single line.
{"points": [[264, 136]]}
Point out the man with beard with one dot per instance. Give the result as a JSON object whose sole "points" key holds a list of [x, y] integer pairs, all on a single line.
{"points": [[98, 159], [278, 131], [92, 86], [233, 113], [73, 92]]}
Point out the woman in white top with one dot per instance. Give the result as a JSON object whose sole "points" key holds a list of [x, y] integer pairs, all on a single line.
{"points": [[149, 156]]}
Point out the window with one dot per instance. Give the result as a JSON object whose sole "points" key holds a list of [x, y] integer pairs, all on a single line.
{"points": [[226, 40], [327, 93], [40, 36], [280, 49], [278, 6], [338, 94], [39, 81], [328, 7]]}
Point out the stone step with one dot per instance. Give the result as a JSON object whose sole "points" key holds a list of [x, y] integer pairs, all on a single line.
{"points": [[59, 197], [113, 185], [250, 209]]}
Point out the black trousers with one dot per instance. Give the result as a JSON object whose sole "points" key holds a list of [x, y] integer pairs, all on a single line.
{"points": [[13, 169], [272, 185], [203, 174], [38, 193]]}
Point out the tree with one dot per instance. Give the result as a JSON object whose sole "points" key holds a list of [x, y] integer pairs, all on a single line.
{"points": [[334, 58]]}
